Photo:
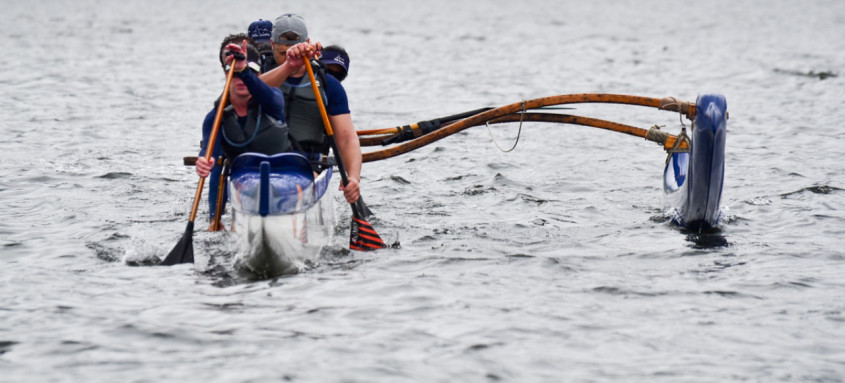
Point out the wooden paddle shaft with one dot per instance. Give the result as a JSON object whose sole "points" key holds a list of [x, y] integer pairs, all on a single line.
{"points": [[221, 186], [212, 140], [325, 115]]}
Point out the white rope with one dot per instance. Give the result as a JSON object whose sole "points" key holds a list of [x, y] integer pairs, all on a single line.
{"points": [[518, 133]]}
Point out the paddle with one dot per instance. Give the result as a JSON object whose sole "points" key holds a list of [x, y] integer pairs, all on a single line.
{"points": [[362, 236], [216, 225], [183, 252]]}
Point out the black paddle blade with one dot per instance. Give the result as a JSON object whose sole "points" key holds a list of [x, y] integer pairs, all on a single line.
{"points": [[183, 252], [362, 236], [362, 210]]}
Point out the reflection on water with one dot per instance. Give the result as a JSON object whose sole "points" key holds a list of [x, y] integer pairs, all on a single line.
{"points": [[708, 240]]}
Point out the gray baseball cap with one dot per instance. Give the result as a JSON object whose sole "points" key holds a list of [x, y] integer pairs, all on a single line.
{"points": [[289, 23]]}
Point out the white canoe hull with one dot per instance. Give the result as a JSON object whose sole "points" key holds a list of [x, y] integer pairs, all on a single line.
{"points": [[281, 219], [283, 244]]}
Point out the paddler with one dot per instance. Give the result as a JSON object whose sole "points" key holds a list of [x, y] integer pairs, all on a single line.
{"points": [[259, 31], [253, 119], [333, 57], [336, 60], [290, 43]]}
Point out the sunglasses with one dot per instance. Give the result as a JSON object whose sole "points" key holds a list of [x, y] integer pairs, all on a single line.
{"points": [[253, 66], [339, 75]]}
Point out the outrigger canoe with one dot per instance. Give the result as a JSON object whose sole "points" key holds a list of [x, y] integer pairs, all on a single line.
{"points": [[281, 217], [279, 214], [276, 199]]}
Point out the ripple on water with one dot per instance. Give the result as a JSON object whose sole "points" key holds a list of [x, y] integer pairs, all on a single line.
{"points": [[6, 346], [816, 189], [115, 175]]}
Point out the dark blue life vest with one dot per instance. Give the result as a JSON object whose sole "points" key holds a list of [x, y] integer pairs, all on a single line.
{"points": [[303, 116], [260, 134]]}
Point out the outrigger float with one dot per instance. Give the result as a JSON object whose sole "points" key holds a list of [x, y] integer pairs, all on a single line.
{"points": [[276, 200]]}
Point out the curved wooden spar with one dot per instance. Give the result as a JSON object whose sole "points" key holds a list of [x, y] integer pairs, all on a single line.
{"points": [[667, 103], [662, 138], [554, 118], [665, 139], [670, 104]]}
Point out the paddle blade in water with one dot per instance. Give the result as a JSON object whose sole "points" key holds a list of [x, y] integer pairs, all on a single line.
{"points": [[184, 250], [362, 236]]}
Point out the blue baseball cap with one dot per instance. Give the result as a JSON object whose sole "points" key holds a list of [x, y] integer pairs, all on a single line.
{"points": [[335, 55], [260, 31]]}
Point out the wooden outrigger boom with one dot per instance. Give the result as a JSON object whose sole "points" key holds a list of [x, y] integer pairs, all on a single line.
{"points": [[425, 132]]}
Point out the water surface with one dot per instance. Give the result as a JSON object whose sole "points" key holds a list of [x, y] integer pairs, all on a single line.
{"points": [[554, 262]]}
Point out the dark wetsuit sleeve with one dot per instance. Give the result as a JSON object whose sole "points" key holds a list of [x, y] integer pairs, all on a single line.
{"points": [[271, 99], [214, 177], [338, 103], [206, 132]]}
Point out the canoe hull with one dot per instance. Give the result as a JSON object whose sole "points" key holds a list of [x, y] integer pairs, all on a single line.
{"points": [[279, 214], [282, 244]]}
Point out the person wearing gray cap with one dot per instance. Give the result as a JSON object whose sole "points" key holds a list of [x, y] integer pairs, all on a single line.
{"points": [[290, 44]]}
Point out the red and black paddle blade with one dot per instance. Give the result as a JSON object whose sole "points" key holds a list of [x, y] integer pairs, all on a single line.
{"points": [[362, 236], [183, 252]]}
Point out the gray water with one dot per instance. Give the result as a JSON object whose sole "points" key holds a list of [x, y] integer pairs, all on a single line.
{"points": [[554, 262]]}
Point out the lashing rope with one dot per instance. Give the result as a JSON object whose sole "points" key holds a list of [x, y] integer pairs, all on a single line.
{"points": [[518, 133], [677, 103], [676, 148], [656, 135]]}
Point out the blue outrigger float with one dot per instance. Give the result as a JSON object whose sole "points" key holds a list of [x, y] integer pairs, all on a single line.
{"points": [[693, 180]]}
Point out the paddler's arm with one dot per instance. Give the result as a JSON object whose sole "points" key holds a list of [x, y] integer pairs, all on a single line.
{"points": [[271, 99], [277, 76], [293, 63], [345, 136], [204, 167], [350, 150]]}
